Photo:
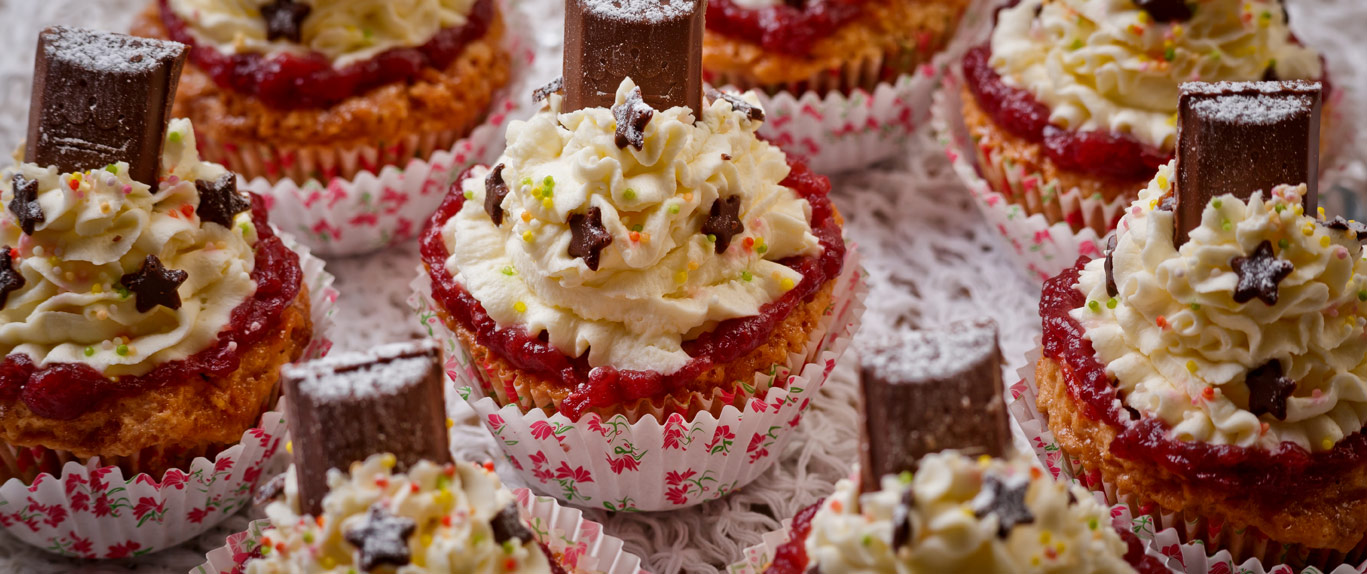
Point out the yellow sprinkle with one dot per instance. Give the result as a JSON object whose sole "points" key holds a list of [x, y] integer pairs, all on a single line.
{"points": [[1162, 182], [425, 540], [1172, 120], [786, 284], [547, 204], [443, 497], [450, 423], [327, 563], [1153, 204], [1324, 241], [1191, 366], [1327, 444], [645, 237], [104, 207], [1300, 209], [1176, 30], [388, 461], [528, 236], [1044, 537], [1035, 560], [1308, 229], [1321, 212], [1061, 547], [520, 307], [681, 277], [96, 288], [289, 447], [692, 265]]}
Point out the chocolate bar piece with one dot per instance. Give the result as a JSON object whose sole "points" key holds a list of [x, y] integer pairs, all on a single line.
{"points": [[927, 391], [1238, 138], [348, 406], [657, 43], [100, 98]]}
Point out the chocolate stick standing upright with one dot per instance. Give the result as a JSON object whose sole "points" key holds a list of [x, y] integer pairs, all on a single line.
{"points": [[657, 43]]}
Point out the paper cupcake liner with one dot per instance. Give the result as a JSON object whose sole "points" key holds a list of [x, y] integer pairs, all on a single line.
{"points": [[1184, 537], [398, 185], [579, 544], [93, 511], [649, 465], [756, 559]]}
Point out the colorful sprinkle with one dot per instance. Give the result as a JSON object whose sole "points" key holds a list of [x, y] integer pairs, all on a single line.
{"points": [[520, 307], [1324, 241], [786, 284], [509, 271], [121, 350], [747, 276], [528, 236], [1195, 306], [469, 195], [629, 194], [89, 351], [1095, 306], [1208, 393], [681, 277], [1111, 303], [526, 217], [1162, 322], [635, 235], [1216, 203], [673, 209]]}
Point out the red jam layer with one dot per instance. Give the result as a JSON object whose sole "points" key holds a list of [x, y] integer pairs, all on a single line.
{"points": [[64, 391], [1097, 153], [291, 81], [791, 558], [605, 386], [1287, 470], [782, 28]]}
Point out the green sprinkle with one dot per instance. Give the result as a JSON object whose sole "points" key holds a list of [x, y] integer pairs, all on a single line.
{"points": [[265, 550], [637, 227], [1215, 54], [508, 270], [1195, 306], [549, 182], [122, 350], [443, 481], [1362, 295], [308, 537], [123, 291], [905, 477], [673, 208], [711, 238], [366, 33], [761, 249], [1216, 203], [526, 182], [629, 194], [1283, 243], [89, 351], [867, 541], [111, 168], [1111, 303], [1077, 44], [1280, 206], [1092, 524], [1170, 54], [1226, 225], [469, 195], [536, 192], [746, 276], [509, 547], [174, 137], [1095, 306]]}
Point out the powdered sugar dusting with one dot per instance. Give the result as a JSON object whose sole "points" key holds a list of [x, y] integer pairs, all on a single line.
{"points": [[1256, 103], [926, 356], [107, 51], [644, 11], [384, 370]]}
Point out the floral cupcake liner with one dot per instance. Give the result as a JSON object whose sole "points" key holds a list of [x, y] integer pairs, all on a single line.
{"points": [[1164, 531], [94, 511], [578, 544], [664, 461], [400, 184]]}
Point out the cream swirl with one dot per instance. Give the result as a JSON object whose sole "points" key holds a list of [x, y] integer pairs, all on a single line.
{"points": [[100, 225], [1107, 65], [451, 507], [1180, 346], [345, 31], [660, 282], [1071, 532]]}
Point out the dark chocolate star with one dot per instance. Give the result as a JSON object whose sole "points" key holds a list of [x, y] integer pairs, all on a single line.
{"points": [[751, 111], [901, 520], [1111, 288], [588, 237], [154, 285], [632, 116], [382, 538], [507, 525], [219, 201], [1007, 502], [10, 278], [1357, 229], [1268, 390], [723, 222], [285, 19], [554, 86], [495, 189], [1166, 10], [1259, 274], [25, 203]]}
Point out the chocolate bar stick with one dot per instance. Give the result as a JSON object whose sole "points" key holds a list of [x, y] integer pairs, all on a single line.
{"points": [[657, 43]]}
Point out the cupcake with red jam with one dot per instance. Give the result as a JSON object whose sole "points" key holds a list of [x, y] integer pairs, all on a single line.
{"points": [[299, 90], [637, 251], [1208, 370], [1071, 106], [981, 508]]}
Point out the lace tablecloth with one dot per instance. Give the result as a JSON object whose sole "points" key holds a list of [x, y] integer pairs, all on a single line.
{"points": [[930, 257]]}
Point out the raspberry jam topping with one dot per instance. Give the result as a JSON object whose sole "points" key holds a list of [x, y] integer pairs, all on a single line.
{"points": [[605, 386], [64, 391], [1278, 473], [290, 81], [791, 558], [782, 28], [1102, 154]]}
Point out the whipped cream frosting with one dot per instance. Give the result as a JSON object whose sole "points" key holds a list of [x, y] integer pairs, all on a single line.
{"points": [[1180, 347], [450, 505], [345, 31], [1071, 532], [100, 225], [660, 282], [1107, 65]]}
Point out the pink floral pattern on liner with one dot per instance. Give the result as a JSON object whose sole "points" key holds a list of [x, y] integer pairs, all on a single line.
{"points": [[609, 463], [580, 544]]}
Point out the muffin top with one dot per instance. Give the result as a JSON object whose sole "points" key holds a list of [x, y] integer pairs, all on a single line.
{"points": [[344, 31], [1252, 333], [958, 514], [109, 272], [455, 518], [626, 231], [1110, 65]]}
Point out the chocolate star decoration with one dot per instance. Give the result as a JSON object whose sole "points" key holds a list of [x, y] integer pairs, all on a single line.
{"points": [[554, 86], [901, 520], [588, 237], [1268, 390], [154, 285], [723, 222], [1166, 10], [1259, 274], [1111, 288], [219, 201], [1358, 230], [632, 116], [751, 111], [285, 19], [507, 525], [10, 278], [495, 189], [382, 538], [25, 203], [1007, 502]]}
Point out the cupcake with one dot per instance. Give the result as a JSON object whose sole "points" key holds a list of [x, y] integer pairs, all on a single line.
{"points": [[147, 304], [982, 508], [1071, 106], [1208, 370], [300, 90]]}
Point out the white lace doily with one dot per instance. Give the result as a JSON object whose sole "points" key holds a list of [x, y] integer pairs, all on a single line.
{"points": [[929, 254]]}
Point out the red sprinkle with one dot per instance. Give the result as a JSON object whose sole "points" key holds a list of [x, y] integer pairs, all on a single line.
{"points": [[1162, 322], [74, 183], [489, 465], [1208, 393]]}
